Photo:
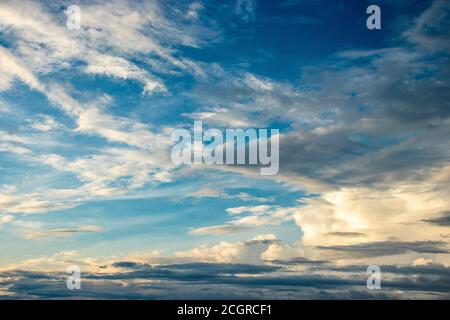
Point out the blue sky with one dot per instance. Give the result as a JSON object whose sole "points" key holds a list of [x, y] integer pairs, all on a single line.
{"points": [[86, 178]]}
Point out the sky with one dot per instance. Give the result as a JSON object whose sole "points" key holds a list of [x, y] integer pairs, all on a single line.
{"points": [[86, 177]]}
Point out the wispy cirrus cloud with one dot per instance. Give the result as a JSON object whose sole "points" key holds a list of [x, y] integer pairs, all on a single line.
{"points": [[59, 233]]}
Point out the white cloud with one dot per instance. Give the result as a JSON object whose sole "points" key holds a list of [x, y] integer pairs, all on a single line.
{"points": [[5, 218], [194, 10], [268, 236], [261, 248], [43, 43], [215, 193], [123, 69], [283, 251], [218, 230], [12, 68], [59, 233], [226, 252], [260, 215], [249, 209], [45, 123]]}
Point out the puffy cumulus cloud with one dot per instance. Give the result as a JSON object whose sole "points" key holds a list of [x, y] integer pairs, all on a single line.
{"points": [[377, 214], [260, 248], [278, 250], [225, 252], [282, 251], [365, 223]]}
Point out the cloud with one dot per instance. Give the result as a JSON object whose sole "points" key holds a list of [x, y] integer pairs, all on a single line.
{"points": [[386, 248], [375, 214], [365, 141], [35, 202], [245, 9], [233, 281], [194, 10], [215, 193], [45, 43], [443, 220], [45, 123], [431, 30], [226, 252], [235, 269], [218, 230], [123, 69], [59, 233], [248, 209], [261, 248], [113, 37], [12, 68], [350, 125], [5, 218], [260, 215]]}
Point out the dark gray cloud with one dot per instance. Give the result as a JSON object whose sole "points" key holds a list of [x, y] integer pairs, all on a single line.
{"points": [[444, 220], [387, 125], [410, 270], [386, 248], [379, 115], [224, 281], [198, 268], [299, 261]]}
